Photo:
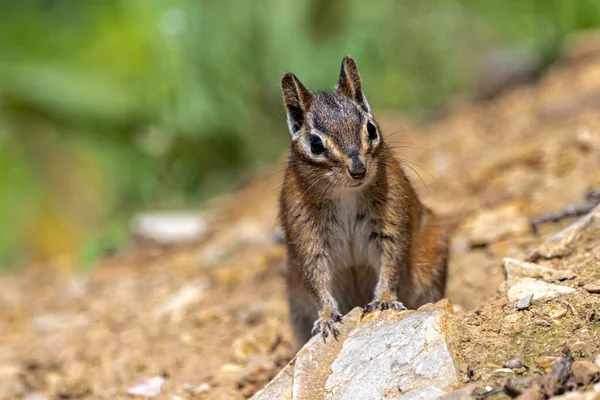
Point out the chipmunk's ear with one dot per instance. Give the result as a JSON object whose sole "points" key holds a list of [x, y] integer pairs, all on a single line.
{"points": [[350, 83], [297, 100]]}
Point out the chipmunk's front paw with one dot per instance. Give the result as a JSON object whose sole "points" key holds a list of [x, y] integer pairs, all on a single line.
{"points": [[384, 305], [327, 324]]}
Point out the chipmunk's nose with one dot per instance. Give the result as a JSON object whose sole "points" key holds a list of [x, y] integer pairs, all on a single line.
{"points": [[357, 168]]}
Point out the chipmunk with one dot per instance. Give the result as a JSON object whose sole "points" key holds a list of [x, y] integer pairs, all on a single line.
{"points": [[355, 231]]}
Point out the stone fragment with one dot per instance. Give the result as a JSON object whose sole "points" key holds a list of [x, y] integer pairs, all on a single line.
{"points": [[517, 269], [524, 303], [169, 227], [555, 311], [489, 226], [512, 318], [179, 301], [313, 362], [151, 387], [546, 361], [577, 346], [393, 355], [563, 243], [593, 287], [538, 288], [585, 372]]}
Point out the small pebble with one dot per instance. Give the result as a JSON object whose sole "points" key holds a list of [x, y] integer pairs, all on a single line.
{"points": [[593, 287], [585, 372], [521, 370], [524, 303], [512, 364], [577, 346], [546, 361], [517, 327]]}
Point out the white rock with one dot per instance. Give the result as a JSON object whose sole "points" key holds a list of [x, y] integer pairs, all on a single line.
{"points": [[517, 269], [405, 358], [539, 289], [169, 227], [53, 322], [186, 295], [151, 387]]}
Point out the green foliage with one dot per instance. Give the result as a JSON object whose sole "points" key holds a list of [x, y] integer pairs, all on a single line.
{"points": [[173, 101]]}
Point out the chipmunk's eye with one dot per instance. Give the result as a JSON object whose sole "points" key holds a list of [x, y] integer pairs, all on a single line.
{"points": [[316, 145], [372, 131]]}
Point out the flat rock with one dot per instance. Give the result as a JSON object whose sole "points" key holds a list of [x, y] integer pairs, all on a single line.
{"points": [[517, 269], [585, 372], [521, 283], [313, 362], [564, 242], [524, 302], [395, 355], [305, 376], [386, 355], [489, 226], [593, 287], [539, 289]]}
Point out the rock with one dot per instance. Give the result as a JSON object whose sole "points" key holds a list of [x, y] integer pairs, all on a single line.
{"points": [[151, 387], [593, 287], [512, 318], [517, 327], [493, 225], [35, 396], [384, 355], [546, 361], [169, 227], [555, 311], [539, 289], [564, 242], [524, 303], [313, 362], [513, 364], [517, 269], [395, 354], [188, 294], [53, 322], [577, 346], [585, 372], [597, 360]]}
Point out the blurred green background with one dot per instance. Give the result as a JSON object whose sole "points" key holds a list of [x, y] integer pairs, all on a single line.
{"points": [[112, 106]]}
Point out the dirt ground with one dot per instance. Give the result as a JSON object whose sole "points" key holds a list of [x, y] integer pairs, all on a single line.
{"points": [[211, 318]]}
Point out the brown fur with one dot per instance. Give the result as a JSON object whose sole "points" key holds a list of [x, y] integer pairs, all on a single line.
{"points": [[351, 241]]}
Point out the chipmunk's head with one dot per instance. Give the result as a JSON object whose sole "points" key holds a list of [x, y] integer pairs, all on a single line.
{"points": [[334, 136]]}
